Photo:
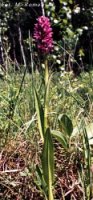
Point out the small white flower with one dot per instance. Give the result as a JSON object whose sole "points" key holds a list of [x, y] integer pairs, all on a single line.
{"points": [[59, 62], [54, 56], [69, 15], [64, 3], [6, 5], [65, 8], [50, 4], [85, 27], [62, 69], [43, 65], [77, 10], [55, 21], [56, 48]]}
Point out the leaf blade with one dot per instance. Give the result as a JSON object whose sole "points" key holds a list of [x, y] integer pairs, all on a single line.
{"points": [[60, 138], [40, 114], [65, 124], [48, 158]]}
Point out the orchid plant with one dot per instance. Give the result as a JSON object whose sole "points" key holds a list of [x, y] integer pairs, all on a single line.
{"points": [[44, 42], [43, 36]]}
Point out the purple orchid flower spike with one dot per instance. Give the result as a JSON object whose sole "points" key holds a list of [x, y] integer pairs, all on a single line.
{"points": [[43, 35]]}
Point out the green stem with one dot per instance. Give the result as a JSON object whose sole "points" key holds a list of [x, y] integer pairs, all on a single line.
{"points": [[46, 96], [50, 192], [46, 72]]}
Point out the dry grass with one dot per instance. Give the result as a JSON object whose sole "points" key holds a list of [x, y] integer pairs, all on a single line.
{"points": [[17, 172]]}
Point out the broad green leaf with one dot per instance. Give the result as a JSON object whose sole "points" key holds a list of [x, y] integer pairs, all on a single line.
{"points": [[48, 162], [46, 100], [40, 114], [60, 138], [65, 124]]}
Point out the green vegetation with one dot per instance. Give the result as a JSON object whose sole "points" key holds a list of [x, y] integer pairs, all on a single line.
{"points": [[70, 102], [46, 100]]}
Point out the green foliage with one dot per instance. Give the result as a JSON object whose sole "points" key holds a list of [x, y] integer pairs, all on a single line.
{"points": [[60, 138], [67, 96], [65, 125], [87, 157], [40, 115], [60, 103], [48, 162], [41, 182]]}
